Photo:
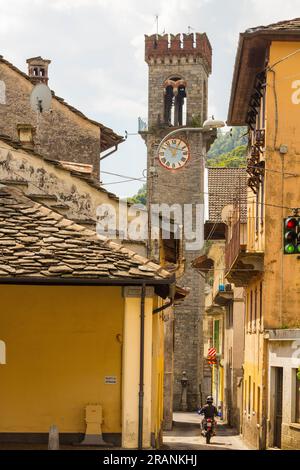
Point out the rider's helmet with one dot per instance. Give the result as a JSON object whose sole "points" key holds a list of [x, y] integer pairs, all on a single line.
{"points": [[209, 399]]}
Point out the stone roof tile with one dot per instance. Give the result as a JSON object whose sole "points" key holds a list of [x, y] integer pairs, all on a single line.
{"points": [[58, 248], [286, 25]]}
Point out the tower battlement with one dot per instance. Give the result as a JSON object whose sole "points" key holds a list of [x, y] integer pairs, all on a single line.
{"points": [[180, 46]]}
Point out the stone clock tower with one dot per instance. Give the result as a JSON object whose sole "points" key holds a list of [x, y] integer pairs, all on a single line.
{"points": [[179, 67]]}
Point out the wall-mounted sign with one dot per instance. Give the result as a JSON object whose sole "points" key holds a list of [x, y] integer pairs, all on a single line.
{"points": [[296, 94], [110, 379], [2, 353]]}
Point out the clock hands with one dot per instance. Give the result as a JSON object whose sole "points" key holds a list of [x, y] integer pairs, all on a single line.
{"points": [[173, 149]]}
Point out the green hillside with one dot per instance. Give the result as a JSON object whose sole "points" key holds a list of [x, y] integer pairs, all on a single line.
{"points": [[229, 149]]}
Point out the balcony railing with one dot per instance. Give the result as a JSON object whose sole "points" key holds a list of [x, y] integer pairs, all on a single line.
{"points": [[142, 125], [242, 264], [233, 245], [260, 137]]}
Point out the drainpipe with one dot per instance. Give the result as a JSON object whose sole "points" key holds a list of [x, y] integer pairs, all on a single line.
{"points": [[142, 364]]}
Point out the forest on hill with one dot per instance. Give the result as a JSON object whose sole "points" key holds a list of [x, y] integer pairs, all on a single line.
{"points": [[229, 149]]}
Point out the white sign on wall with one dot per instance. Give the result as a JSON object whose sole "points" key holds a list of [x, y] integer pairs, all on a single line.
{"points": [[2, 92], [2, 352], [110, 379], [296, 93]]}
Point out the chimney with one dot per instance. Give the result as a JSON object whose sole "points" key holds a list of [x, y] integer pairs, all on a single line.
{"points": [[38, 70]]}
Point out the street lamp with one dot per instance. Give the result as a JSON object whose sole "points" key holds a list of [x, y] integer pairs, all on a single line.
{"points": [[208, 125]]}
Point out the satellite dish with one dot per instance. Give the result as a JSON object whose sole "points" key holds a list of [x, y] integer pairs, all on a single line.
{"points": [[40, 98], [226, 212]]}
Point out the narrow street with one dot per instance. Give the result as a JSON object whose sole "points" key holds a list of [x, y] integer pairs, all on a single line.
{"points": [[186, 435]]}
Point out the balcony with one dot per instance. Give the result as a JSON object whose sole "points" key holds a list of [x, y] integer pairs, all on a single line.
{"points": [[224, 295], [142, 125], [211, 308], [260, 137], [242, 265]]}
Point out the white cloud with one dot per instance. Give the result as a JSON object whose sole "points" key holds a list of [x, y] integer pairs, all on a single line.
{"points": [[97, 52], [271, 11]]}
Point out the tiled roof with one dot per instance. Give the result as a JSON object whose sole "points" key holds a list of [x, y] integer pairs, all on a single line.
{"points": [[288, 25], [108, 137], [226, 186], [36, 242]]}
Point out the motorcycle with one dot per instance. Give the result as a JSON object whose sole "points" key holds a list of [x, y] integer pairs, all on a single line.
{"points": [[208, 429]]}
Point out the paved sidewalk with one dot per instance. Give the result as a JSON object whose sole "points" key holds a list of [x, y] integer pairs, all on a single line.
{"points": [[186, 435]]}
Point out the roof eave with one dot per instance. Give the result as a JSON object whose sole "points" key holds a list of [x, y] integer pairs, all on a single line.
{"points": [[266, 36], [55, 281], [235, 78]]}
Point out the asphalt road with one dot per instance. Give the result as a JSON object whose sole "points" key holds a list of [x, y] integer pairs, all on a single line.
{"points": [[186, 435]]}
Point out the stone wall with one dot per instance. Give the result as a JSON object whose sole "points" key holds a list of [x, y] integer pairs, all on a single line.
{"points": [[187, 57], [196, 78], [290, 437], [59, 133], [79, 198], [185, 186]]}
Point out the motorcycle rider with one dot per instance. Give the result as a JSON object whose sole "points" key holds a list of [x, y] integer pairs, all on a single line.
{"points": [[209, 411]]}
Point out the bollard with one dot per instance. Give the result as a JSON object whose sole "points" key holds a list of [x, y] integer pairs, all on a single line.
{"points": [[184, 386], [53, 441]]}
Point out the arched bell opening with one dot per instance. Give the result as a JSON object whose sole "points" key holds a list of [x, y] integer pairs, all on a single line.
{"points": [[175, 102]]}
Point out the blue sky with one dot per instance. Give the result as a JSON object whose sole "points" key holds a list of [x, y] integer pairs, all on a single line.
{"points": [[97, 53]]}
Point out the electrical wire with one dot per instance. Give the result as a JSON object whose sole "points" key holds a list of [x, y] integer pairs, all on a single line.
{"points": [[209, 193], [120, 182], [122, 176]]}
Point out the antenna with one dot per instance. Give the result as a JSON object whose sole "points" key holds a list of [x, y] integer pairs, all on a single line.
{"points": [[190, 29], [41, 98], [156, 20]]}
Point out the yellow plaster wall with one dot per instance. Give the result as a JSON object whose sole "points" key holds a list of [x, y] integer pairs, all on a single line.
{"points": [[255, 368], [158, 374], [131, 369], [282, 273], [61, 342]]}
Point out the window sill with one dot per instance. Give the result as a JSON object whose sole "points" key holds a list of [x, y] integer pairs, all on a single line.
{"points": [[295, 426]]}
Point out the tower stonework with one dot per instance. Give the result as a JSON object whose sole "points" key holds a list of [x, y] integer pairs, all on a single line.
{"points": [[179, 66]]}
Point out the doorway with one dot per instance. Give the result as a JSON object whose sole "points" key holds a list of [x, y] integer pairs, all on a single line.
{"points": [[278, 406]]}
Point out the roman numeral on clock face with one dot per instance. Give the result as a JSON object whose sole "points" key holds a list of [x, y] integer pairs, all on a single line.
{"points": [[174, 154]]}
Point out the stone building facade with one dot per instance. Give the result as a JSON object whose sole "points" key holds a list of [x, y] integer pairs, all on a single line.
{"points": [[63, 132], [184, 63]]}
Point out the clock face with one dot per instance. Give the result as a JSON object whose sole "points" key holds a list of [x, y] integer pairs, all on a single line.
{"points": [[174, 154]]}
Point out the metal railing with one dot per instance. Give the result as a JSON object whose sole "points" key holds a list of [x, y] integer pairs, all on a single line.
{"points": [[233, 246], [142, 124]]}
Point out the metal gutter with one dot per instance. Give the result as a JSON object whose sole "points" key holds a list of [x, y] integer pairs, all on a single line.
{"points": [[86, 282], [163, 307], [111, 152]]}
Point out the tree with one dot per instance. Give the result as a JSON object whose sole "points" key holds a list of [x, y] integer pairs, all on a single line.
{"points": [[229, 149], [140, 197], [234, 159]]}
